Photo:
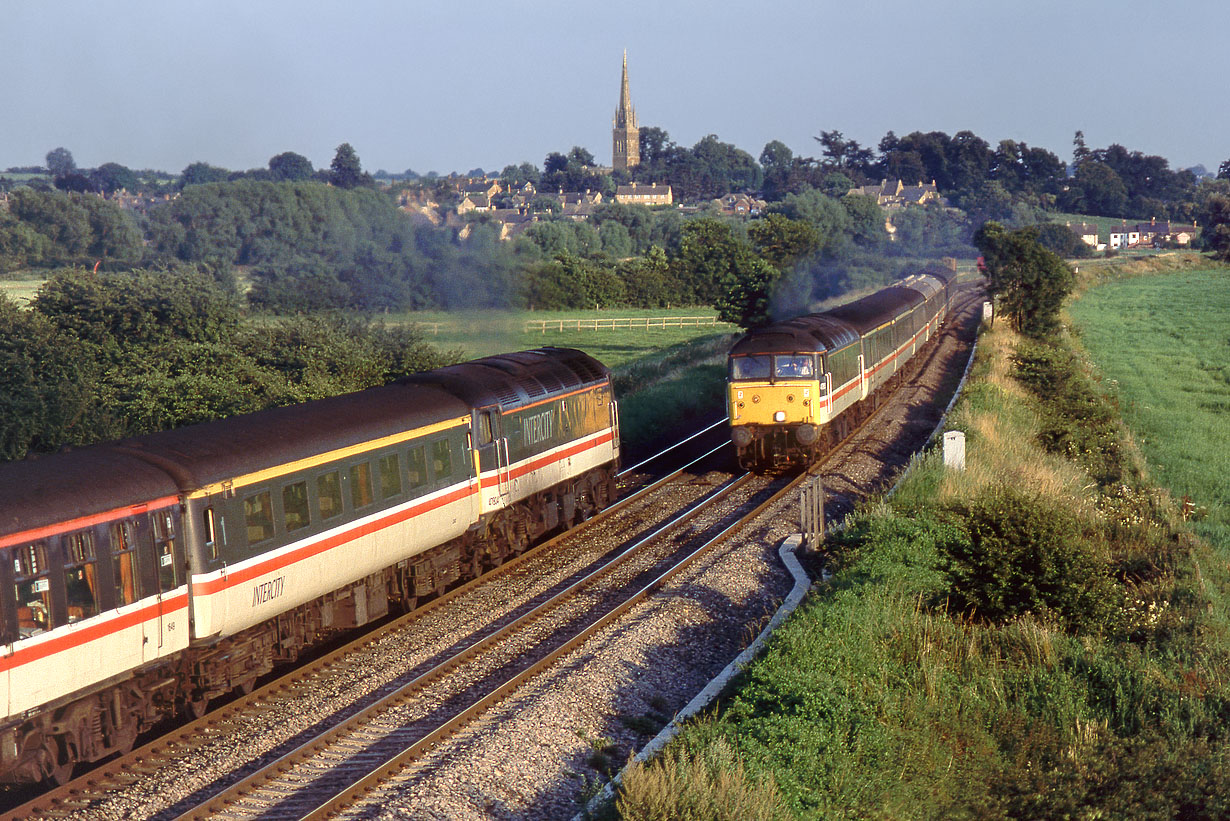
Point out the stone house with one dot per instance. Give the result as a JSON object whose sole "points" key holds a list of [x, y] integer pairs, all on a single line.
{"points": [[641, 194]]}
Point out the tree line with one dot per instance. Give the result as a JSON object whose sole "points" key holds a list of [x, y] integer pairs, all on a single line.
{"points": [[103, 356]]}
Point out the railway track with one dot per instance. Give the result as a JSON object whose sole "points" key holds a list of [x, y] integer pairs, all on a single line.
{"points": [[276, 783], [90, 793]]}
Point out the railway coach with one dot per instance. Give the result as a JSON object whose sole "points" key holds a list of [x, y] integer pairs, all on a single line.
{"points": [[795, 388], [142, 578]]}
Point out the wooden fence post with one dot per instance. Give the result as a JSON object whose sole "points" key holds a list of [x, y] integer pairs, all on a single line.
{"points": [[811, 513]]}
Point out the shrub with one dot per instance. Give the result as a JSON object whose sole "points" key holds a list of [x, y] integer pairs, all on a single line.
{"points": [[1023, 554], [711, 785], [1079, 422]]}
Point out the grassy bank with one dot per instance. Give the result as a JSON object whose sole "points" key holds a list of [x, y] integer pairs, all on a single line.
{"points": [[1037, 636]]}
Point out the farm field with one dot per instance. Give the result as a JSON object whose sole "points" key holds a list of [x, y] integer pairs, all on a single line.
{"points": [[1162, 346], [20, 290], [482, 333]]}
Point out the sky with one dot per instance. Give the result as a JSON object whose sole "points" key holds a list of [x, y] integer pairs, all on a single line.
{"points": [[451, 86]]}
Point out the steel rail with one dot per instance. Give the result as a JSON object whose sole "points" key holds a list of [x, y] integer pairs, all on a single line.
{"points": [[116, 773], [218, 803]]}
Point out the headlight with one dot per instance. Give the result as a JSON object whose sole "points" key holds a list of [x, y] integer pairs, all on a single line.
{"points": [[780, 416]]}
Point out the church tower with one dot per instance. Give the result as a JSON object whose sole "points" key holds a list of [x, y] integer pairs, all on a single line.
{"points": [[626, 140]]}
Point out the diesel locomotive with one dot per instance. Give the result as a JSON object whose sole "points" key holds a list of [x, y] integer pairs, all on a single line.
{"points": [[795, 388], [139, 579]]}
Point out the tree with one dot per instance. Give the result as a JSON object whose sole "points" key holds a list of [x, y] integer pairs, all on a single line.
{"points": [[200, 173], [290, 167], [1030, 281], [845, 155], [656, 145], [1215, 219], [1102, 189], [1223, 171], [1080, 151], [60, 162], [345, 171], [782, 241], [110, 177], [73, 181], [748, 299]]}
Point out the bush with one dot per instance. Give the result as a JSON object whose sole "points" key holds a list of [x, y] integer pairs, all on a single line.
{"points": [[711, 785], [1024, 555], [1079, 422]]}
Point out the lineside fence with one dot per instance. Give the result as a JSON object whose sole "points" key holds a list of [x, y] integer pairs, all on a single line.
{"points": [[609, 323], [615, 323]]}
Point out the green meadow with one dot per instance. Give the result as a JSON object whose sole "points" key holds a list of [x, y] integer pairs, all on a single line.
{"points": [[1163, 346]]}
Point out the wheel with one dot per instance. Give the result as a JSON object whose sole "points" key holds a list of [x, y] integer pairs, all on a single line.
{"points": [[196, 709], [57, 773]]}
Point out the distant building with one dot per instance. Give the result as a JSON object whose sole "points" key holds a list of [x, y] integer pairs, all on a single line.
{"points": [[641, 194], [1087, 232], [898, 195], [626, 136], [740, 205]]}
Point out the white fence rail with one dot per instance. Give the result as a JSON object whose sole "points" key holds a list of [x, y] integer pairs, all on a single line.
{"points": [[615, 323]]}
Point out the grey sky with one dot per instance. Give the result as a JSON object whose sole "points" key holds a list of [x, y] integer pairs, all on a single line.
{"points": [[457, 85]]}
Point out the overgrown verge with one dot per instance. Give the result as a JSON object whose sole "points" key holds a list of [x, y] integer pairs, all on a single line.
{"points": [[670, 392], [1036, 636]]}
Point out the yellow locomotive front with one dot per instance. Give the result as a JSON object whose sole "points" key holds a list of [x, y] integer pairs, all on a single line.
{"points": [[780, 391], [776, 405]]}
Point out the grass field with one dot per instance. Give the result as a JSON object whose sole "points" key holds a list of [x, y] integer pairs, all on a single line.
{"points": [[1163, 346], [482, 333], [19, 289]]}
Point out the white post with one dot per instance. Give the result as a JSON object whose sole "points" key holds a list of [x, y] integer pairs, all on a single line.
{"points": [[954, 450]]}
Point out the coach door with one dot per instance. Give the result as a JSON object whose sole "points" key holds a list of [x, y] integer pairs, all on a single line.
{"points": [[156, 562], [493, 456]]}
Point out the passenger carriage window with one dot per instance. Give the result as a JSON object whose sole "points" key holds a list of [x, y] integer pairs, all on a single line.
{"points": [[441, 459], [295, 506], [124, 563], [80, 576], [416, 466], [329, 494], [164, 549], [32, 584], [258, 515], [361, 485], [390, 476]]}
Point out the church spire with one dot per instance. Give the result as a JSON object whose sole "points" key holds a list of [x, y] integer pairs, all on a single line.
{"points": [[626, 138]]}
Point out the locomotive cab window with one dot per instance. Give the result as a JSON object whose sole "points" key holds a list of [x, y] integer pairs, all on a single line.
{"points": [[797, 366], [80, 576], [32, 584], [751, 367]]}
